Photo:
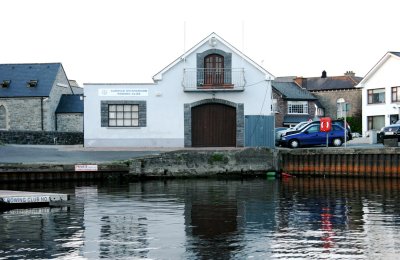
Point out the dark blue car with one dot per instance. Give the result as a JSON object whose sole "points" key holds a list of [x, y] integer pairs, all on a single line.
{"points": [[311, 135]]}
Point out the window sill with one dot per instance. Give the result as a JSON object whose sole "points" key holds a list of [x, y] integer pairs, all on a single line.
{"points": [[123, 127]]}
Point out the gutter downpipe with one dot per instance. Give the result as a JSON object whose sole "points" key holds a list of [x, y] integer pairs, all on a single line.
{"points": [[41, 111]]}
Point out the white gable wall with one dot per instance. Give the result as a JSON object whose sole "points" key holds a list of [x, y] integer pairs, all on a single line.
{"points": [[385, 76], [165, 105]]}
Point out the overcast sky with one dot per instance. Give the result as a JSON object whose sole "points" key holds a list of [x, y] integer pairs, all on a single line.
{"points": [[128, 41]]}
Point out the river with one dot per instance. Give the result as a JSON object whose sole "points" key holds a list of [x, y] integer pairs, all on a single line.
{"points": [[258, 218]]}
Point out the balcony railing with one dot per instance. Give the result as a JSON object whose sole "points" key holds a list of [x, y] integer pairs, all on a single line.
{"points": [[213, 79]]}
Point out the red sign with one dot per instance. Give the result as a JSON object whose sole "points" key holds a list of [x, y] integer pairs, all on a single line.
{"points": [[325, 124]]}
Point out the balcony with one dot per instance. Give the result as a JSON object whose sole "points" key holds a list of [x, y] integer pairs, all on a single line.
{"points": [[213, 79]]}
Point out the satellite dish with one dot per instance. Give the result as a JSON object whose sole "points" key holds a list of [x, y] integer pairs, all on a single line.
{"points": [[212, 42]]}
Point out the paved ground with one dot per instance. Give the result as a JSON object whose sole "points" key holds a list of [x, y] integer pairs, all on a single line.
{"points": [[79, 154], [64, 154]]}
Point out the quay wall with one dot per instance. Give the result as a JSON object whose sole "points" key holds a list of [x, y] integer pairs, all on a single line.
{"points": [[335, 162], [349, 162], [198, 163]]}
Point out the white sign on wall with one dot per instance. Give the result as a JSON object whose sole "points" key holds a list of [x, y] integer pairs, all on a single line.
{"points": [[124, 92]]}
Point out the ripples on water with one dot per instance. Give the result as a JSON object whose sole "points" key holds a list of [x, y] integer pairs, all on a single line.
{"points": [[210, 219]]}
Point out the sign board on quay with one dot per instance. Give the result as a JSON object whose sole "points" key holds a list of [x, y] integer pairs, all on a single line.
{"points": [[86, 168]]}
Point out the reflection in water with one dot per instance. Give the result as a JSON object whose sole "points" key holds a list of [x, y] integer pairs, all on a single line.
{"points": [[209, 219]]}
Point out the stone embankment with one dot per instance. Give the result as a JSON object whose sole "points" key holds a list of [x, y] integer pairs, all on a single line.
{"points": [[197, 163]]}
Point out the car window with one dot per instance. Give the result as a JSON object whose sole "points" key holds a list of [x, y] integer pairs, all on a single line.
{"points": [[336, 128], [313, 129]]}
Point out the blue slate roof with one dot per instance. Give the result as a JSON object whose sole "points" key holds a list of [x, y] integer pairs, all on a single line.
{"points": [[70, 104], [20, 74], [291, 91], [395, 53], [331, 83]]}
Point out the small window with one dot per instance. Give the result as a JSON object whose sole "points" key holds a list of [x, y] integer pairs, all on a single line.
{"points": [[3, 117], [395, 94], [297, 107], [376, 122], [274, 105], [5, 83], [32, 83], [376, 96], [123, 115]]}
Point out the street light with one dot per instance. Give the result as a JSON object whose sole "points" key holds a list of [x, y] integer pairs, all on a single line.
{"points": [[343, 108]]}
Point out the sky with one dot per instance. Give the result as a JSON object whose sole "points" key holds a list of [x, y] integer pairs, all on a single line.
{"points": [[129, 41]]}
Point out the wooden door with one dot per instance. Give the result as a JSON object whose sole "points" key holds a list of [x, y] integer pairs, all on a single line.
{"points": [[214, 70], [213, 125]]}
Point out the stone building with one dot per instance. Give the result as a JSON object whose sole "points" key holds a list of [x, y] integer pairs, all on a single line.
{"points": [[29, 97], [293, 104], [329, 90]]}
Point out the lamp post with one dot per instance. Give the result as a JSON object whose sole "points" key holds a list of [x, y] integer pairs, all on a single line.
{"points": [[343, 108]]}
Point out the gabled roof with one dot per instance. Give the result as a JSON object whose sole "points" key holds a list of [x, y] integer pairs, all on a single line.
{"points": [[291, 91], [330, 83], [158, 76], [19, 74], [377, 66], [70, 104]]}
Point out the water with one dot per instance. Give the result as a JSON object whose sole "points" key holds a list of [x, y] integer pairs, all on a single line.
{"points": [[299, 218]]}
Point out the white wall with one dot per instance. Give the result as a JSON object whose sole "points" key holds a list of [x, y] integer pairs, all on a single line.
{"points": [[386, 76], [165, 105]]}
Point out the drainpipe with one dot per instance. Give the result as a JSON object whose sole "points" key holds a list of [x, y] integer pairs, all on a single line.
{"points": [[41, 111]]}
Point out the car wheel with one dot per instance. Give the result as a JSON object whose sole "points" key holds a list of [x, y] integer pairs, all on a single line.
{"points": [[337, 142], [294, 143]]}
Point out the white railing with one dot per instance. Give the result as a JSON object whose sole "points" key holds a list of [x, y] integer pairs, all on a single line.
{"points": [[213, 79]]}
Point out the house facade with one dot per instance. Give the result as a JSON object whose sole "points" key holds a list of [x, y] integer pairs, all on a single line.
{"points": [[199, 100], [293, 104], [381, 93]]}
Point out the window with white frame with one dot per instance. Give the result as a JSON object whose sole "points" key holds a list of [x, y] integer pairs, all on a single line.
{"points": [[120, 113], [275, 105], [297, 107], [123, 115]]}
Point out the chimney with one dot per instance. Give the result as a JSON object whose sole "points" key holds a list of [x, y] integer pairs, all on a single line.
{"points": [[299, 81], [349, 73], [323, 76]]}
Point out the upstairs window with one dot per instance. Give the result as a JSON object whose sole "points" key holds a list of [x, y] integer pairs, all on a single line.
{"points": [[376, 96], [297, 107], [395, 94]]}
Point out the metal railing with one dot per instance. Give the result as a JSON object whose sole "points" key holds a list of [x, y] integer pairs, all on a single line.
{"points": [[217, 79]]}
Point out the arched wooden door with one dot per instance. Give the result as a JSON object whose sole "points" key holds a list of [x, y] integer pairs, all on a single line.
{"points": [[213, 125]]}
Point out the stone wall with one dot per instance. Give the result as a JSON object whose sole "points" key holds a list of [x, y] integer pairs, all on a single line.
{"points": [[192, 163], [41, 137], [71, 122], [328, 100], [22, 113], [60, 86]]}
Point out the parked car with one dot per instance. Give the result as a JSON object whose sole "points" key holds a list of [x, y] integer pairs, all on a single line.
{"points": [[339, 122], [311, 135], [278, 133], [390, 131], [297, 127]]}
